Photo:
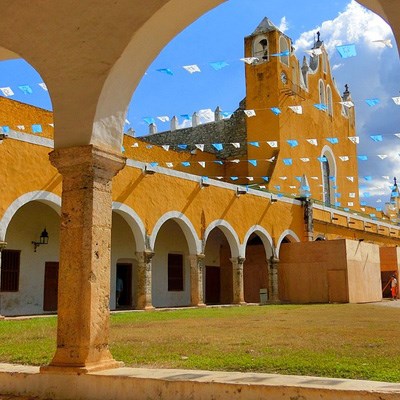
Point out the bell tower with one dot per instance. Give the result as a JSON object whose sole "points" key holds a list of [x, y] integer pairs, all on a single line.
{"points": [[267, 76]]}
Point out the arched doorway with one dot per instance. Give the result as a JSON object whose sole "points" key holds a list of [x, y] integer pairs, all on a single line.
{"points": [[29, 273]]}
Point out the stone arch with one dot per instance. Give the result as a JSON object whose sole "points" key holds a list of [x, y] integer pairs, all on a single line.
{"points": [[185, 224], [134, 222], [51, 199], [230, 234], [289, 235], [264, 236]]}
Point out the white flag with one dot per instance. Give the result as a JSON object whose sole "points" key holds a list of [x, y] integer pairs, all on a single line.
{"points": [[350, 204], [350, 178], [250, 60], [382, 156], [163, 118], [7, 91], [273, 143], [347, 104], [192, 68], [52, 125], [272, 159], [352, 195], [296, 109], [250, 178], [354, 139], [305, 159], [43, 86], [396, 100], [165, 147], [344, 158], [283, 178], [202, 163], [200, 146], [169, 164], [235, 161], [250, 113], [314, 52], [21, 127], [219, 177], [237, 145], [314, 142], [385, 42], [135, 145]]}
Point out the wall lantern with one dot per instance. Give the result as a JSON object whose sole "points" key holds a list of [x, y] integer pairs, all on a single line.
{"points": [[44, 239]]}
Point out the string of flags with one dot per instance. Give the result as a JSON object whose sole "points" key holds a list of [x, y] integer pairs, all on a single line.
{"points": [[296, 109]]}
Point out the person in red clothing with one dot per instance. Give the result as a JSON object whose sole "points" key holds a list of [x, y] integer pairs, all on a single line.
{"points": [[393, 286]]}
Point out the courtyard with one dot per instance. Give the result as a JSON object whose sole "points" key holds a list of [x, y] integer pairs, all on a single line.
{"points": [[355, 341]]}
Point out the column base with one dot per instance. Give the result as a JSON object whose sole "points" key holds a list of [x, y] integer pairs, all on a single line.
{"points": [[85, 369], [148, 308], [201, 305]]}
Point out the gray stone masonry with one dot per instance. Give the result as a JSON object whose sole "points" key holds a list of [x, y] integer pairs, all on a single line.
{"points": [[226, 131]]}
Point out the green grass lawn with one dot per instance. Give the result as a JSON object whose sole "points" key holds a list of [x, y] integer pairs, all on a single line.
{"points": [[341, 340]]}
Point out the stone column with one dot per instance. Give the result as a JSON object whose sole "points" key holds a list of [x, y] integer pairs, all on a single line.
{"points": [[273, 289], [196, 280], [238, 284], [2, 247], [143, 281], [85, 244]]}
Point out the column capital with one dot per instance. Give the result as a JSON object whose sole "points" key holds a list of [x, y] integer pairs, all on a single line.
{"points": [[75, 160], [145, 256], [237, 260]]}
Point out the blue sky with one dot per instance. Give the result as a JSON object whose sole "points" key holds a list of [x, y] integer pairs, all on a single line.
{"points": [[218, 36]]}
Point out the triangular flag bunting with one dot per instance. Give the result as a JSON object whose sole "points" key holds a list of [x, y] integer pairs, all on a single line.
{"points": [[296, 109], [7, 91], [163, 118], [350, 178], [305, 159], [202, 163], [218, 146], [376, 138], [347, 50], [165, 71], [276, 110], [314, 142], [372, 102], [287, 161], [292, 142], [253, 162], [218, 65], [250, 113], [382, 156], [255, 144], [249, 60], [333, 140], [165, 147], [347, 103], [354, 139], [192, 68], [200, 147], [362, 158], [321, 106], [237, 145], [396, 100], [273, 143], [169, 164]]}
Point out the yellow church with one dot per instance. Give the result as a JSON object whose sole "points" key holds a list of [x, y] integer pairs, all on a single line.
{"points": [[259, 207]]}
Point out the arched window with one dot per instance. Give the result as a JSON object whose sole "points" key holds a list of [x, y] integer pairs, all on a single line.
{"points": [[328, 176], [322, 92], [329, 100], [284, 48], [260, 48], [324, 62]]}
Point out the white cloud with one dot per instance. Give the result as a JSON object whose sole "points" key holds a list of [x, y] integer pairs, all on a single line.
{"points": [[355, 25], [283, 25]]}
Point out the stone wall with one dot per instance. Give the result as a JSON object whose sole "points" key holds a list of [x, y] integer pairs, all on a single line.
{"points": [[225, 131]]}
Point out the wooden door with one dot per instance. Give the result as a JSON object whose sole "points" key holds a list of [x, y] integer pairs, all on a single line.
{"points": [[213, 285], [50, 296], [124, 272]]}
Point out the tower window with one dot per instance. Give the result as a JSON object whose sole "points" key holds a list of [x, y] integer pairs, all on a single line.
{"points": [[284, 47], [329, 100], [260, 48], [322, 99]]}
